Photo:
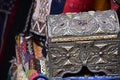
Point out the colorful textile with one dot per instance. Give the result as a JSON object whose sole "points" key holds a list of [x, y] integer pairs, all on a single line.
{"points": [[12, 27], [29, 60], [41, 10]]}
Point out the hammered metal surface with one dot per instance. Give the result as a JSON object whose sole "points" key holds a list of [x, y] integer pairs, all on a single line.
{"points": [[99, 56], [64, 60], [83, 39], [82, 24]]}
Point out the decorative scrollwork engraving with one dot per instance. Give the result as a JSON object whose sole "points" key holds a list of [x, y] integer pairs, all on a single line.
{"points": [[83, 24], [87, 39], [97, 57]]}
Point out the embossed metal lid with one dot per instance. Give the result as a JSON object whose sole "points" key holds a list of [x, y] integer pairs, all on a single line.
{"points": [[83, 24]]}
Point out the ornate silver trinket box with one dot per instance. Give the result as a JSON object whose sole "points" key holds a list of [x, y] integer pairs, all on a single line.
{"points": [[86, 39]]}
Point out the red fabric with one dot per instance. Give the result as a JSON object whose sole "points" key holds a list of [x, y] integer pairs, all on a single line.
{"points": [[78, 5], [9, 24], [114, 6]]}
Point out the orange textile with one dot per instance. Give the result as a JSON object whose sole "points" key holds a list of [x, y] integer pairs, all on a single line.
{"points": [[102, 5], [37, 50]]}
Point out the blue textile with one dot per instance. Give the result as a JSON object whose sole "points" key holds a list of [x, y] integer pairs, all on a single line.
{"points": [[57, 6], [91, 78], [81, 78]]}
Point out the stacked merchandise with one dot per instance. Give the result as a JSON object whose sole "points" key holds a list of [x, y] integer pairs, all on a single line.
{"points": [[30, 61], [78, 44]]}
